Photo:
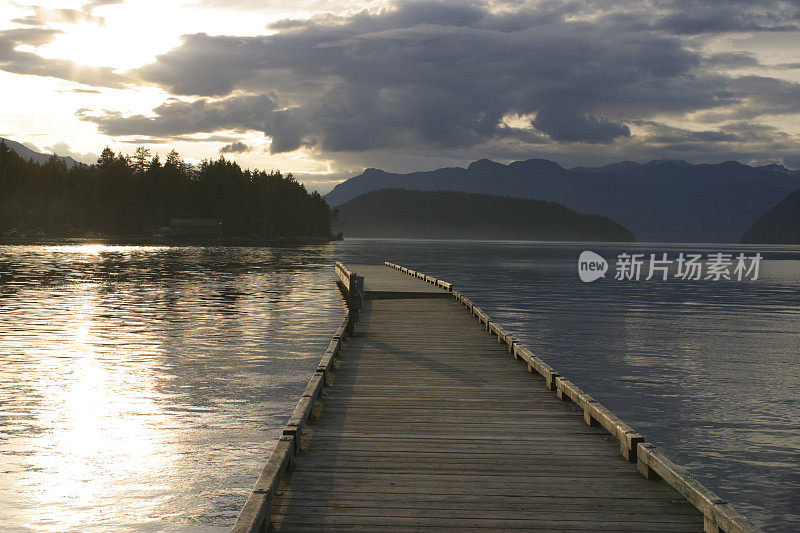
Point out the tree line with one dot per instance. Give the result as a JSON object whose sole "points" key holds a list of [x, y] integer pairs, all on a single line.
{"points": [[134, 195]]}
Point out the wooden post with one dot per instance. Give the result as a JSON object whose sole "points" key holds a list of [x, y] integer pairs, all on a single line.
{"points": [[356, 291], [628, 444], [641, 464], [710, 525]]}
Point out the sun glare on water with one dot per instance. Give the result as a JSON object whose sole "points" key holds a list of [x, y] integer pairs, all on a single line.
{"points": [[102, 434]]}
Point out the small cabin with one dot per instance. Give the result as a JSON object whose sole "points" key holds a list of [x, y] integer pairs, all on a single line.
{"points": [[197, 228]]}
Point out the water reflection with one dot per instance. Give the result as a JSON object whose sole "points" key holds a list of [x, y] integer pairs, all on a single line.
{"points": [[142, 388]]}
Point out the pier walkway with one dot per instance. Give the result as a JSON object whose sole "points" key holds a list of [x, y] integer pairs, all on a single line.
{"points": [[422, 417]]}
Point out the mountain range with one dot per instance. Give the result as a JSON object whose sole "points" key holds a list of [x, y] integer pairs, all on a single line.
{"points": [[26, 153], [659, 201]]}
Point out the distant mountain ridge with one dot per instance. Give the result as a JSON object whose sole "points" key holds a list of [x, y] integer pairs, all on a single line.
{"points": [[403, 213], [26, 153], [659, 201]]}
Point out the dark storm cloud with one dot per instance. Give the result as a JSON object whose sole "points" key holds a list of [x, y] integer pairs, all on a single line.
{"points": [[439, 74], [236, 148], [696, 17], [574, 127], [176, 117], [19, 62], [444, 75]]}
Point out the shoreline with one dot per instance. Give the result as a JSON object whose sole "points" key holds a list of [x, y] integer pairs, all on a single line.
{"points": [[163, 241]]}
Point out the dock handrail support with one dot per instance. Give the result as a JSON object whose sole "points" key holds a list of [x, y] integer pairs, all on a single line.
{"points": [[718, 515]]}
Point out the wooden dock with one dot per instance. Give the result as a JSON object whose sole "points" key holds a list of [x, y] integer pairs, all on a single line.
{"points": [[422, 416]]}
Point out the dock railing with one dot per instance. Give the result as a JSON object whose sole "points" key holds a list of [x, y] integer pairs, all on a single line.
{"points": [[353, 284]]}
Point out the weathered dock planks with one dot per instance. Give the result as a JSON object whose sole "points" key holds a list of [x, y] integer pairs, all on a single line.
{"points": [[385, 283], [425, 419]]}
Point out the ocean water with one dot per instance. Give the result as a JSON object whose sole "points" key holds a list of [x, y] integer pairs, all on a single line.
{"points": [[141, 388]]}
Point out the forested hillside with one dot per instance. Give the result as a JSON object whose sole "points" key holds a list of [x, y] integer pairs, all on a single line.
{"points": [[457, 215], [780, 225], [134, 195]]}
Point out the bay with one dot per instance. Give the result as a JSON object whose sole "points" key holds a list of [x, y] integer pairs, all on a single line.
{"points": [[141, 387]]}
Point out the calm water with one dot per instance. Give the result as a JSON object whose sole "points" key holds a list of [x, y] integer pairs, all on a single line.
{"points": [[141, 388]]}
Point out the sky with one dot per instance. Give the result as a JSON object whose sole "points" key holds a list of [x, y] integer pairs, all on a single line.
{"points": [[326, 88]]}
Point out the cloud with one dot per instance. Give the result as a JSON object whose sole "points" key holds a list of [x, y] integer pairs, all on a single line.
{"points": [[577, 127], [205, 139], [659, 133], [432, 73], [32, 146], [63, 149], [696, 17], [180, 138], [177, 117], [443, 75], [28, 63], [732, 60], [42, 16], [758, 96], [99, 3], [261, 6], [144, 141], [317, 19], [236, 148]]}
